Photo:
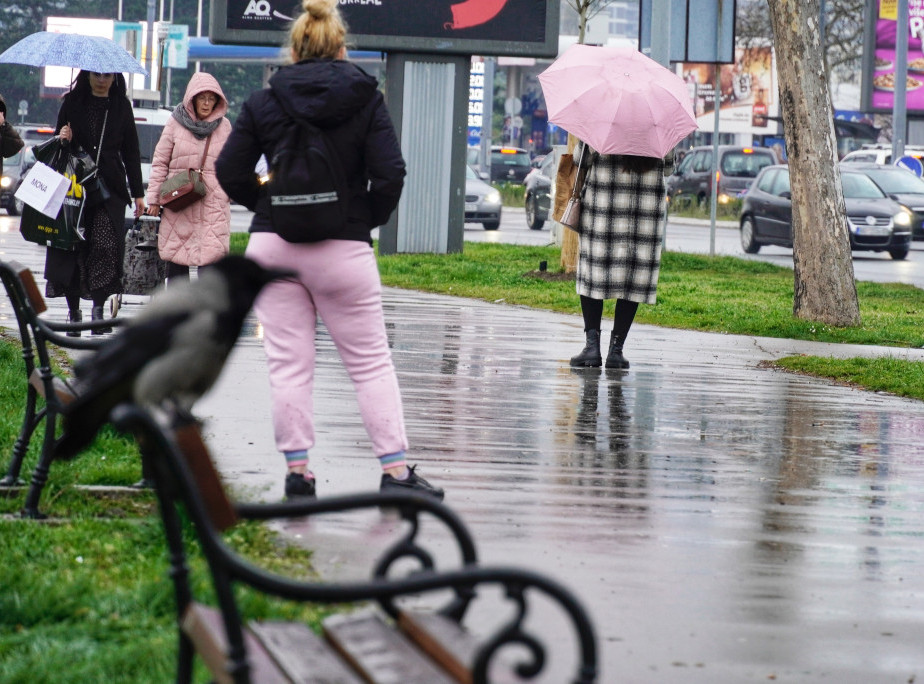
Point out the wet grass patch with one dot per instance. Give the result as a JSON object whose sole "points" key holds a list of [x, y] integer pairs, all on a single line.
{"points": [[894, 376]]}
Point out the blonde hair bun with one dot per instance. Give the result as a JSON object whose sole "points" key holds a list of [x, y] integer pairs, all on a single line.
{"points": [[319, 9]]}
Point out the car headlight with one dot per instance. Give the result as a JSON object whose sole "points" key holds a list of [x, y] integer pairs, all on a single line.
{"points": [[902, 218], [492, 197], [5, 181]]}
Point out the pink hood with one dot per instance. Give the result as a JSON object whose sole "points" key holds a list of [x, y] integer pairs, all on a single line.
{"points": [[199, 83]]}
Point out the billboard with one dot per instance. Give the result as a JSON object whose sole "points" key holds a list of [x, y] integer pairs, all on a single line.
{"points": [[470, 27], [747, 92], [878, 90], [700, 30]]}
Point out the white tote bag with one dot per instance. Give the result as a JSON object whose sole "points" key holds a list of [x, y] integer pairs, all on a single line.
{"points": [[44, 189]]}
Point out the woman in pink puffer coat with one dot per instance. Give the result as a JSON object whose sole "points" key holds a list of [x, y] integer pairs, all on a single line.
{"points": [[199, 234]]}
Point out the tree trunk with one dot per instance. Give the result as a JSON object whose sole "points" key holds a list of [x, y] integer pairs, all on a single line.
{"points": [[825, 290], [569, 239]]}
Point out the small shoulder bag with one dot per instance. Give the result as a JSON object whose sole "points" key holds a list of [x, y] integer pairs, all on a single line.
{"points": [[571, 216], [186, 187]]}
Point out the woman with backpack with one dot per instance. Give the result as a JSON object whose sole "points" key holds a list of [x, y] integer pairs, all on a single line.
{"points": [[337, 275], [199, 234]]}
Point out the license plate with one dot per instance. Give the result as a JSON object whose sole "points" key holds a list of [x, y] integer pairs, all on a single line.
{"points": [[873, 230], [470, 207]]}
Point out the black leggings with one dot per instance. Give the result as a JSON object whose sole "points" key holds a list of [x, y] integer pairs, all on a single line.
{"points": [[592, 310]]}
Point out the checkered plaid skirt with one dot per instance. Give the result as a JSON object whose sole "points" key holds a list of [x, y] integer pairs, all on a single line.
{"points": [[622, 227]]}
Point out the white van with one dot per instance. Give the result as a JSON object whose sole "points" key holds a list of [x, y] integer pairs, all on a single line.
{"points": [[150, 122]]}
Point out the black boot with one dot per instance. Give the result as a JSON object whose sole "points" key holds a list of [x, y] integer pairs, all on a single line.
{"points": [[96, 314], [590, 354], [614, 357], [74, 316]]}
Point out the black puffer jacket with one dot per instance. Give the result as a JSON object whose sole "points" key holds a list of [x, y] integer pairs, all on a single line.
{"points": [[10, 142], [339, 98]]}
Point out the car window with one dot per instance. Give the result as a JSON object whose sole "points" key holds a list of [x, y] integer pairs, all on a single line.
{"points": [[686, 164], [858, 186], [781, 183], [765, 182], [148, 135], [15, 160], [860, 158], [470, 173], [745, 164], [512, 158], [896, 180], [702, 161]]}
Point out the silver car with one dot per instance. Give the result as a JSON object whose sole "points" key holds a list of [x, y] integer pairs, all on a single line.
{"points": [[482, 201]]}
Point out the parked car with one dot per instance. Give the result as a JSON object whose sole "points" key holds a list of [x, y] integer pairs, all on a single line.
{"points": [[875, 222], [880, 154], [902, 186], [14, 170], [738, 167], [509, 164], [482, 201], [35, 133], [538, 194]]}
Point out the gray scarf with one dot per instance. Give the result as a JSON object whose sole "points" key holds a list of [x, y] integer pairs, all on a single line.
{"points": [[200, 129]]}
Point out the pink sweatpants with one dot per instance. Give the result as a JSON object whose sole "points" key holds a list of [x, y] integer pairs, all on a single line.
{"points": [[338, 281]]}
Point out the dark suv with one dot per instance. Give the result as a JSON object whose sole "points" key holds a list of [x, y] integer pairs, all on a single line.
{"points": [[510, 164], [738, 167], [14, 170]]}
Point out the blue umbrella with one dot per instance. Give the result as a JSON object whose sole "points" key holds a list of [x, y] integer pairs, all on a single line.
{"points": [[90, 53]]}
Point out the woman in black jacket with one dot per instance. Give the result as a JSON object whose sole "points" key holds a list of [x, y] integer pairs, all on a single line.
{"points": [[97, 109], [337, 279]]}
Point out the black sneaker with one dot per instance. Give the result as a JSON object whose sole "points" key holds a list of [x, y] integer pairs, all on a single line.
{"points": [[414, 483], [297, 486]]}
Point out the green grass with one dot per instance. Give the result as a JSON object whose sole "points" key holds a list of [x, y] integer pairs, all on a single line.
{"points": [[87, 597], [712, 294], [895, 376], [695, 292]]}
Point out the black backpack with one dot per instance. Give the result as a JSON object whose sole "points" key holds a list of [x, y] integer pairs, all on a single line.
{"points": [[307, 188]]}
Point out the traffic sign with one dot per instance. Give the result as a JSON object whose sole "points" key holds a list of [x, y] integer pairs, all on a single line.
{"points": [[912, 164]]}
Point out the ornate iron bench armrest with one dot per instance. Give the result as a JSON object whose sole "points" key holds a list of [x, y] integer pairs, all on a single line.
{"points": [[184, 476]]}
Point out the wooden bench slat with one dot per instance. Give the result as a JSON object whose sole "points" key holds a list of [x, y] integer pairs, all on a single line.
{"points": [[302, 654], [378, 652], [31, 287], [204, 626], [442, 639], [192, 446], [63, 392]]}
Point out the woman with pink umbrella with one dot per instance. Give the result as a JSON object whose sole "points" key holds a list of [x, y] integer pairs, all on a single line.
{"points": [[621, 231], [629, 112]]}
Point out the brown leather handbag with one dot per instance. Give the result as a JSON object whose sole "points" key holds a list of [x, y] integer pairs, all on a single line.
{"points": [[186, 187]]}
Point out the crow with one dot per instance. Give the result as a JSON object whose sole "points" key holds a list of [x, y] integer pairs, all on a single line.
{"points": [[171, 353]]}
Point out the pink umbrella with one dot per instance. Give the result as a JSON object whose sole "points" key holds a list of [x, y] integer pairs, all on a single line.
{"points": [[617, 100]]}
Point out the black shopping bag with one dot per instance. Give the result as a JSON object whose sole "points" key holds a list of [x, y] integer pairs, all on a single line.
{"points": [[62, 231]]}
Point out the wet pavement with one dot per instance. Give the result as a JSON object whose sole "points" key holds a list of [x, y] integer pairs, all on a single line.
{"points": [[721, 522]]}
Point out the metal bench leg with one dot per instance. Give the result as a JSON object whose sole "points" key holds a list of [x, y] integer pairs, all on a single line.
{"points": [[30, 421], [40, 474]]}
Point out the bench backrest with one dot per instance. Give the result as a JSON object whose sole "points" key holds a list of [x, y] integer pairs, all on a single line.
{"points": [[30, 286], [191, 445]]}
